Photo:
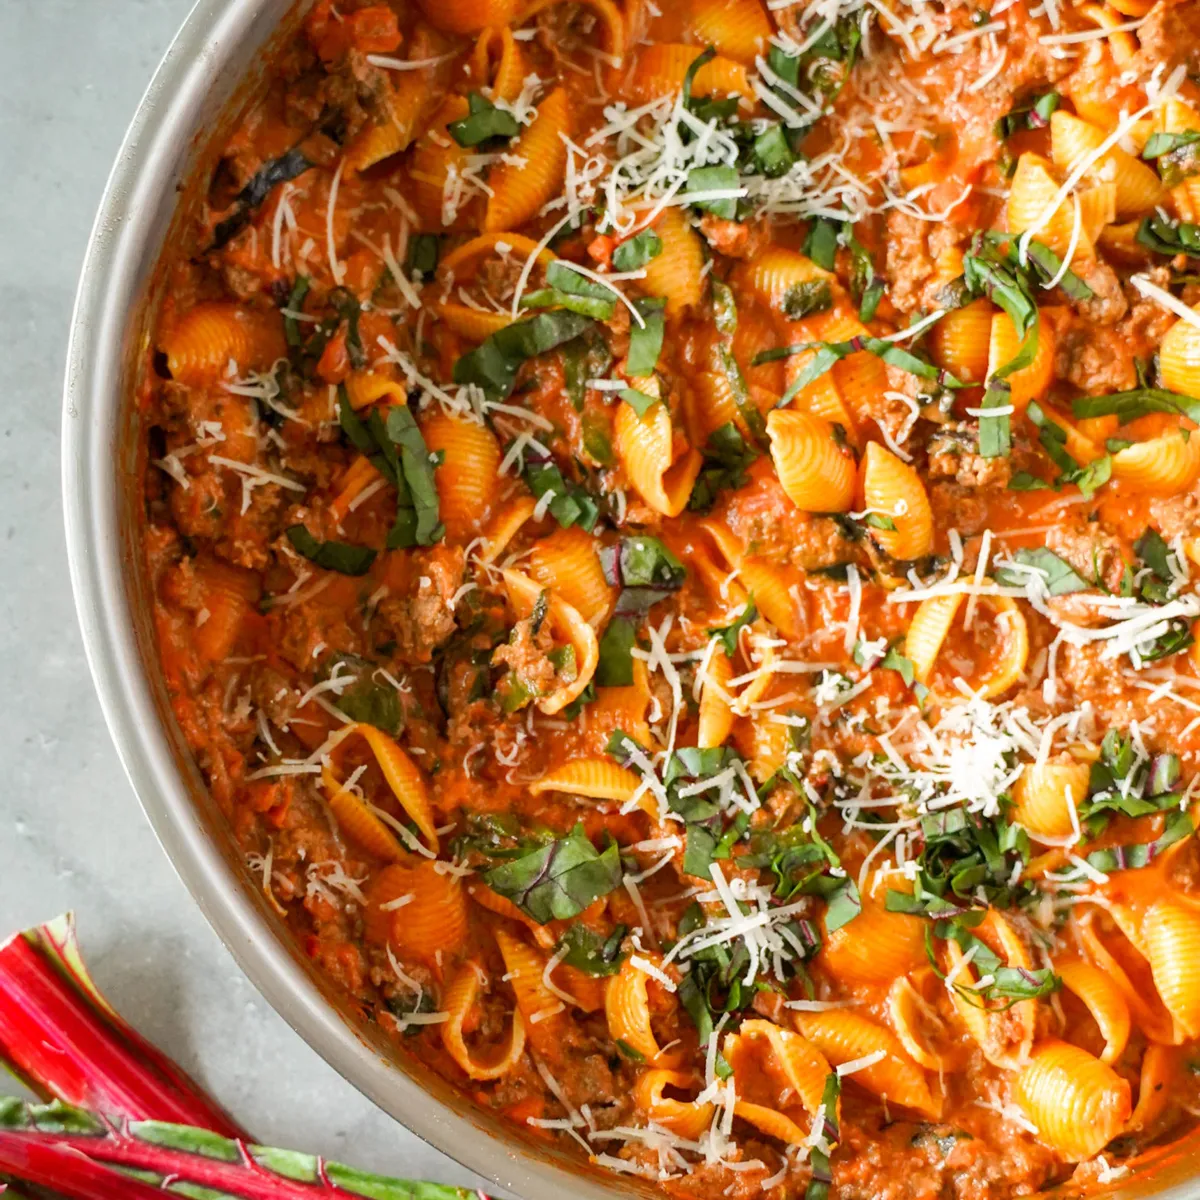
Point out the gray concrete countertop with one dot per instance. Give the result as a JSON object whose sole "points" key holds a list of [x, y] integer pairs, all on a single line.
{"points": [[71, 832]]}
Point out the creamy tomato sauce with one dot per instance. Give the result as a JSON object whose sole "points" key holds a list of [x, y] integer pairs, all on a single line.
{"points": [[673, 535]]}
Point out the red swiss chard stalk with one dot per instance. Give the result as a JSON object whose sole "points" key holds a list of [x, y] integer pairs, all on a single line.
{"points": [[151, 1128], [59, 1035], [83, 1157]]}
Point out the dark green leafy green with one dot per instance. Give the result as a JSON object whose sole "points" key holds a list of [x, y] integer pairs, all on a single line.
{"points": [[642, 562], [365, 699], [1033, 115], [1128, 783], [331, 556], [493, 364], [586, 358], [722, 179], [262, 183], [635, 252], [559, 880], [424, 251], [590, 952], [646, 341], [1053, 438], [417, 516], [572, 503], [570, 290], [615, 665], [1175, 155], [483, 123], [638, 401], [803, 299], [295, 304], [1141, 854], [1058, 576], [1168, 237], [821, 243], [828, 353], [727, 458], [772, 152], [729, 633], [1138, 402]]}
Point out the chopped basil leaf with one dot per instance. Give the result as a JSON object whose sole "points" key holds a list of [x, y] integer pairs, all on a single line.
{"points": [[295, 304], [638, 401], [331, 556], [1035, 115], [1176, 155], [773, 154], [715, 179], [262, 183], [1169, 237], [570, 290], [1059, 577], [572, 504], [822, 242], [729, 633], [558, 881], [646, 342], [637, 251], [424, 251], [615, 665], [417, 515], [1129, 406], [483, 122]]}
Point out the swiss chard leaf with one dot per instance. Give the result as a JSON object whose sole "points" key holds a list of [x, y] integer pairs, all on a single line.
{"points": [[424, 251], [367, 700], [644, 569], [590, 952], [331, 556], [493, 364], [727, 458], [559, 880]]}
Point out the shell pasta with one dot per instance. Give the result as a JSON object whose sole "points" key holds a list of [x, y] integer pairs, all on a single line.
{"points": [[674, 543]]}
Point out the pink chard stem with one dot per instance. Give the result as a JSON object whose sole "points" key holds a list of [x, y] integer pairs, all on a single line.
{"points": [[60, 1036], [85, 1158]]}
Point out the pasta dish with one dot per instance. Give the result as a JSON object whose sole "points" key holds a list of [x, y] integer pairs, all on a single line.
{"points": [[674, 538]]}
